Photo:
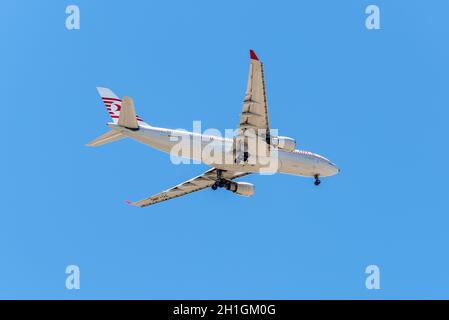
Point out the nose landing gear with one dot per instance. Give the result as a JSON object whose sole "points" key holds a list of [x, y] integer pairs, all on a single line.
{"points": [[317, 180]]}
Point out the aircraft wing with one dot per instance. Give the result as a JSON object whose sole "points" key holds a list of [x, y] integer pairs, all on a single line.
{"points": [[203, 181], [255, 109]]}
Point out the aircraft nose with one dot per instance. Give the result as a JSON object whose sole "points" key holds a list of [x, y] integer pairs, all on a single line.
{"points": [[334, 167]]}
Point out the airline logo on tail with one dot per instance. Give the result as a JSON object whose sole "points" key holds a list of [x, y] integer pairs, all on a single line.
{"points": [[113, 104]]}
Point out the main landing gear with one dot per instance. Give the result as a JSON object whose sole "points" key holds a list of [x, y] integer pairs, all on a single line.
{"points": [[317, 180], [220, 182]]}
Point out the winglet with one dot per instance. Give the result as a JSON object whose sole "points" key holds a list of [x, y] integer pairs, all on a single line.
{"points": [[253, 56]]}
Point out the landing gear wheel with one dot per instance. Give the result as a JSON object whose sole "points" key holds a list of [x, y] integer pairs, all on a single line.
{"points": [[317, 180], [214, 187]]}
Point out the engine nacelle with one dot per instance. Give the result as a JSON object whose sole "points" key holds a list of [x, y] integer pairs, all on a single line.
{"points": [[241, 188], [284, 143]]}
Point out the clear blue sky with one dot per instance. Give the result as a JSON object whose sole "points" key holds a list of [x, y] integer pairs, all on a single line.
{"points": [[374, 102]]}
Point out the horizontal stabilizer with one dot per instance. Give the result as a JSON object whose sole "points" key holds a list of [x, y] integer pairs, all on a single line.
{"points": [[110, 136], [127, 117]]}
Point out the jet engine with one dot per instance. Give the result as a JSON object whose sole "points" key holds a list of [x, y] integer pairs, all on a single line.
{"points": [[241, 188], [284, 143]]}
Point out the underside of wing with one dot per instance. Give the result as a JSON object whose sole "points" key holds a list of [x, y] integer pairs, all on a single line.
{"points": [[253, 134], [255, 108], [206, 180]]}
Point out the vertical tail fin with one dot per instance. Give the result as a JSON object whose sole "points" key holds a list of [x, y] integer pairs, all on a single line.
{"points": [[114, 105]]}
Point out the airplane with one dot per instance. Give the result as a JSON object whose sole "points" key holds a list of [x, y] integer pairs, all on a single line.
{"points": [[254, 125]]}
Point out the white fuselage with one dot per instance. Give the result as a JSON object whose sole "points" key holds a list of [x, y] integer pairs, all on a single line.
{"points": [[297, 162]]}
